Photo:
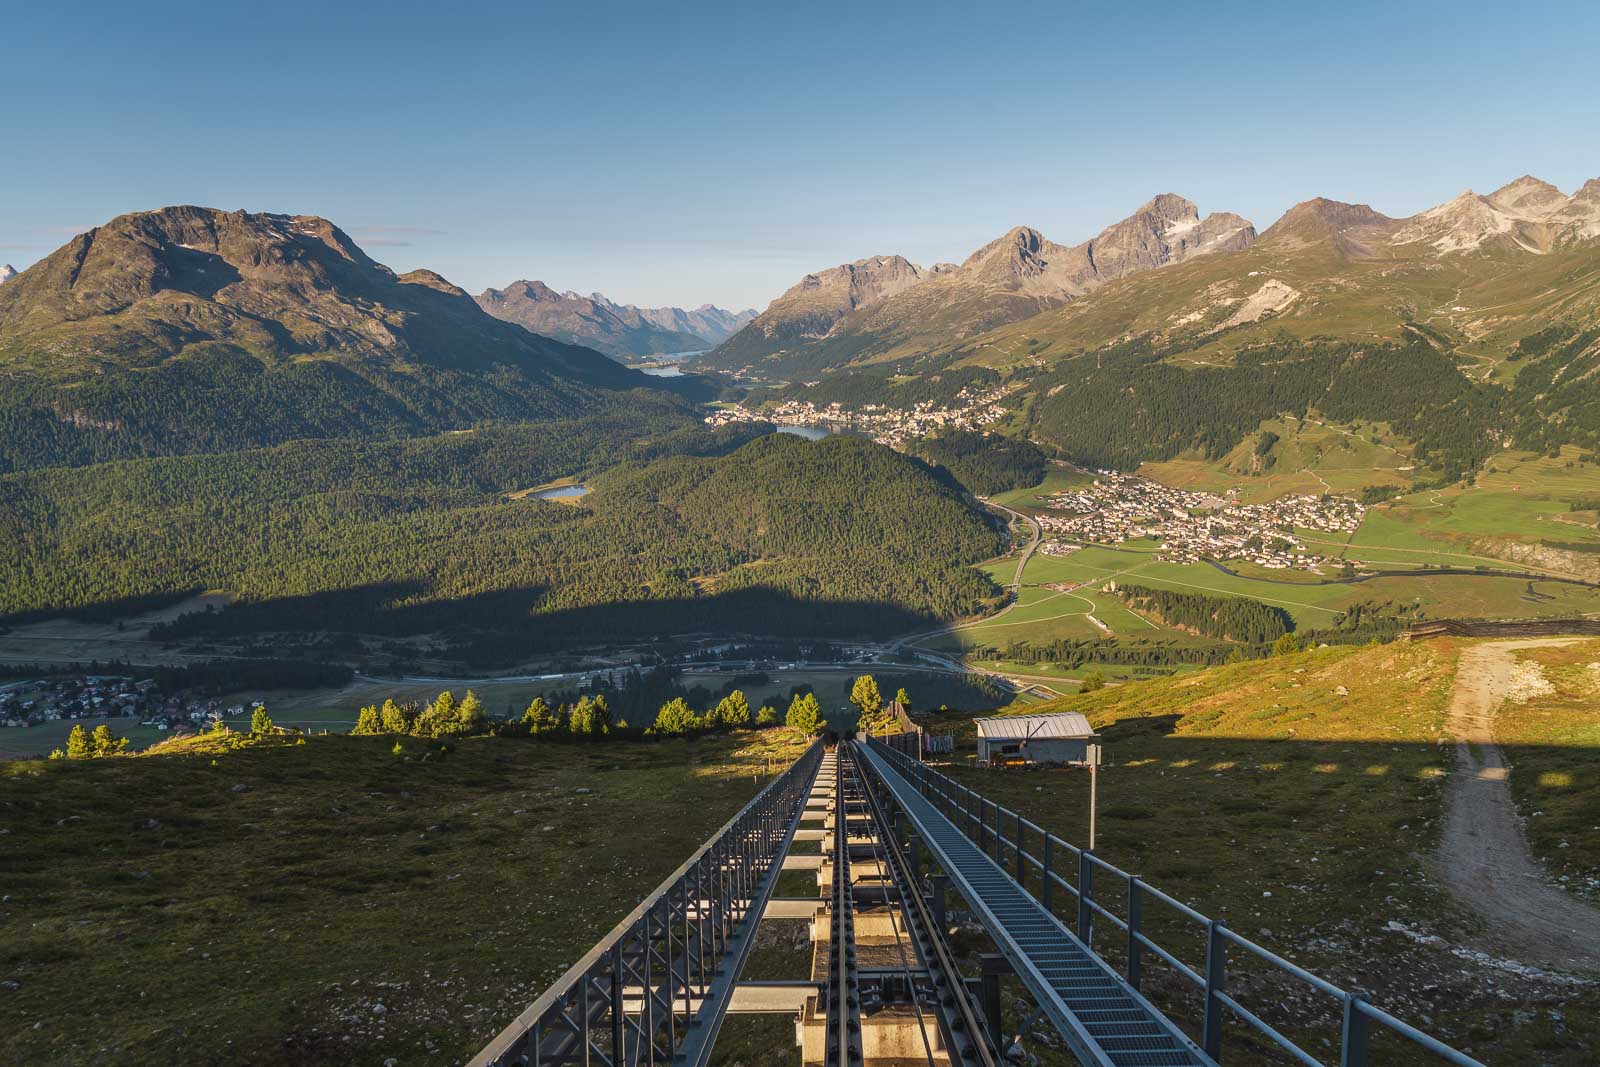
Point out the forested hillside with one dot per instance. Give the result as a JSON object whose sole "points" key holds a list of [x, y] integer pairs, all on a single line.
{"points": [[194, 330], [783, 536], [1129, 404]]}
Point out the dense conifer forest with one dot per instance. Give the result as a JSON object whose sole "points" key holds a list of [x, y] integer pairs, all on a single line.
{"points": [[767, 536], [1128, 404], [985, 463], [1229, 618]]}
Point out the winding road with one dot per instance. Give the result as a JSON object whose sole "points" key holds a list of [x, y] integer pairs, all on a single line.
{"points": [[1483, 854]]}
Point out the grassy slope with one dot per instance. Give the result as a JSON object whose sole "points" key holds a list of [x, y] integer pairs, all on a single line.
{"points": [[1233, 783], [1503, 297], [263, 926], [1550, 741]]}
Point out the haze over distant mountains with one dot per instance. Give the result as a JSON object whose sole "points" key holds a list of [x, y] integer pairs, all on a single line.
{"points": [[622, 331], [7, 272]]}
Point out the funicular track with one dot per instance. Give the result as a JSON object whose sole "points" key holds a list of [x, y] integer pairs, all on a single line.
{"points": [[884, 835], [883, 987]]}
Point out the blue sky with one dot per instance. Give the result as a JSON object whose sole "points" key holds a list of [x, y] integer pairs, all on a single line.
{"points": [[716, 152]]}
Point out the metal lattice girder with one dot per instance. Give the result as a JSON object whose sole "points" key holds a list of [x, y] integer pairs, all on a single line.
{"points": [[655, 989], [1104, 1020]]}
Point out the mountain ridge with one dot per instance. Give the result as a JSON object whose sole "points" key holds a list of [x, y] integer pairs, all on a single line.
{"points": [[621, 331], [1014, 276], [193, 329]]}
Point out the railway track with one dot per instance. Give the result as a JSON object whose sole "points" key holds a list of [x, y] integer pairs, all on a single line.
{"points": [[880, 840]]}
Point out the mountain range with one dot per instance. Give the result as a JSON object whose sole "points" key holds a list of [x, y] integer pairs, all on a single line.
{"points": [[1475, 274], [193, 329], [886, 306], [622, 331], [1471, 277]]}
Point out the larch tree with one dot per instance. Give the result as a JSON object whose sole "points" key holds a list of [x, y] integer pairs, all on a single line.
{"points": [[78, 743]]}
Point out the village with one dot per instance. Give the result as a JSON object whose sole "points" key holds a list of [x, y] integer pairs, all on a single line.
{"points": [[971, 410], [1194, 526], [31, 702]]}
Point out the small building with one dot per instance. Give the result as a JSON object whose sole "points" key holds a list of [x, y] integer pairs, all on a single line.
{"points": [[1035, 740]]}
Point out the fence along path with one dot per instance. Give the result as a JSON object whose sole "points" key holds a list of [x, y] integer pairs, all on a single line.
{"points": [[926, 796]]}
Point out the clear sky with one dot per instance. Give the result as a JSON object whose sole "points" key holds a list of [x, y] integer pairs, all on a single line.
{"points": [[684, 153]]}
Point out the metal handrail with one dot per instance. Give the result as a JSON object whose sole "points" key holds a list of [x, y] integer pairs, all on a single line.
{"points": [[669, 951], [959, 803]]}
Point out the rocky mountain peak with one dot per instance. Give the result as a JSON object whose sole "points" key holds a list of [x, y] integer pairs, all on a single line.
{"points": [[1527, 196], [622, 331], [1527, 214], [7, 272], [1170, 207], [1354, 230]]}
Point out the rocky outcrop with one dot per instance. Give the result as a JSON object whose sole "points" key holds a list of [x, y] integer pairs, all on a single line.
{"points": [[879, 303], [1527, 214]]}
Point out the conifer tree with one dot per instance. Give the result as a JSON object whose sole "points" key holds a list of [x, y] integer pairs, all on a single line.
{"points": [[78, 743], [590, 718], [767, 716], [733, 711], [394, 718], [106, 743], [865, 696], [676, 717], [540, 719], [367, 721], [805, 715], [470, 715], [261, 723]]}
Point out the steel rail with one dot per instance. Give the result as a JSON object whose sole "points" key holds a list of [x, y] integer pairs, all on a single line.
{"points": [[843, 1043], [880, 828], [964, 1036]]}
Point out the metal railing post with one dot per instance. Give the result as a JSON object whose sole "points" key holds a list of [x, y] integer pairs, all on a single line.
{"points": [[1022, 874], [1216, 982], [1135, 916], [1048, 868], [1353, 1039], [1085, 897], [941, 899]]}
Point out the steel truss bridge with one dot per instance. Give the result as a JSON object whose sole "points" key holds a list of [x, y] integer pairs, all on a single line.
{"points": [[893, 845]]}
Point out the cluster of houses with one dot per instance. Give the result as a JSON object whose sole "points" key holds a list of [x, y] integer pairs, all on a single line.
{"points": [[1193, 526], [35, 701], [969, 410]]}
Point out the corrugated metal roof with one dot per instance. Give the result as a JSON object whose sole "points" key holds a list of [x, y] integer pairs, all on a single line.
{"points": [[1060, 724]]}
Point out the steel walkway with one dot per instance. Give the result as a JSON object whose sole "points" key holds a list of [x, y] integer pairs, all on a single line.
{"points": [[1104, 1020]]}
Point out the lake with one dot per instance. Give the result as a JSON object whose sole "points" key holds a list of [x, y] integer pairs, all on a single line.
{"points": [[564, 492], [810, 433]]}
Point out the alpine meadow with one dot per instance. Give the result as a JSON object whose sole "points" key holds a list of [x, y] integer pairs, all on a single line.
{"points": [[993, 538]]}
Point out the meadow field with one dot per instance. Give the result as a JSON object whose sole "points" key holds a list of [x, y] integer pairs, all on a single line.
{"points": [[1301, 799], [315, 882]]}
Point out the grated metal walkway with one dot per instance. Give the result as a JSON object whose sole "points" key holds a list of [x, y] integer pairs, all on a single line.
{"points": [[1102, 1018]]}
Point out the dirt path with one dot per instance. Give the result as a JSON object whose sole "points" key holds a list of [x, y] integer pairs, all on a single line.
{"points": [[1483, 855]]}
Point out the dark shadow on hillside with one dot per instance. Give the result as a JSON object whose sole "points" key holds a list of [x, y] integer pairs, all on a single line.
{"points": [[499, 628], [106, 610]]}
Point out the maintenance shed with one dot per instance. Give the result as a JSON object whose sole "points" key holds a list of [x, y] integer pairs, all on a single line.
{"points": [[1063, 737]]}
